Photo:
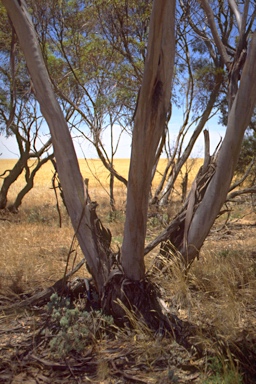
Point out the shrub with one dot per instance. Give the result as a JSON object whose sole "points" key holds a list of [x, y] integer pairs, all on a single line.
{"points": [[74, 330]]}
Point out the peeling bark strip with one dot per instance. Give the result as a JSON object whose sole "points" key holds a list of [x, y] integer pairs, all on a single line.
{"points": [[149, 128], [76, 196]]}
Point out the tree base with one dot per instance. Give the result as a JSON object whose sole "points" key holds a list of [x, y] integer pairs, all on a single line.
{"points": [[129, 301]]}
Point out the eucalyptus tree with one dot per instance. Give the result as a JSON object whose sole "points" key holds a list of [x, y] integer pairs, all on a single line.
{"points": [[151, 113], [100, 73], [199, 85], [19, 117], [34, 150], [228, 30], [188, 231], [86, 72]]}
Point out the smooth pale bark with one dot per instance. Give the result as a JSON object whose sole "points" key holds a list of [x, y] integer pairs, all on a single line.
{"points": [[238, 120], [219, 44], [75, 193], [149, 126]]}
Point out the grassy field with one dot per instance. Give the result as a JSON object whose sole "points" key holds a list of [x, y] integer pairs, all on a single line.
{"points": [[93, 170], [217, 297], [34, 233]]}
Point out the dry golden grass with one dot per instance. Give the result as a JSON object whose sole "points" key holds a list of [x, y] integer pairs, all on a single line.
{"points": [[33, 245], [218, 293], [93, 170]]}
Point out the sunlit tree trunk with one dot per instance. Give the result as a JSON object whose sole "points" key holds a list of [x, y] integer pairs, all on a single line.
{"points": [[238, 120], [81, 212], [149, 126]]}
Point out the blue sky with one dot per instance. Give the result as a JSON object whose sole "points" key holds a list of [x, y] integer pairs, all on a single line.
{"points": [[9, 150]]}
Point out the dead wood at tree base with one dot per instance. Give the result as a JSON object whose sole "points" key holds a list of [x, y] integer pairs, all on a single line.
{"points": [[129, 302]]}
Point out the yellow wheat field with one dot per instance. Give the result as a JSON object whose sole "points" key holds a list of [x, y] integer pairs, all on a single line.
{"points": [[92, 169], [34, 249]]}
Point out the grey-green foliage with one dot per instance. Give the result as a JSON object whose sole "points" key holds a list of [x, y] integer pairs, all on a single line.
{"points": [[223, 374], [75, 329]]}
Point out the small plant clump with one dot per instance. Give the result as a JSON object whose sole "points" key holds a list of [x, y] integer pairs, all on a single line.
{"points": [[223, 373], [73, 329]]}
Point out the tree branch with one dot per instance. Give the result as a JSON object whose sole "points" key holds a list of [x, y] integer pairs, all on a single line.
{"points": [[215, 34]]}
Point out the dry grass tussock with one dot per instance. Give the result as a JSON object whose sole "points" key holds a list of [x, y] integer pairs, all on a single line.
{"points": [[60, 343]]}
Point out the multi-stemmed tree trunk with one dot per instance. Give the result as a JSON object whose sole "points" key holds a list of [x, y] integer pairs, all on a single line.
{"points": [[10, 176], [10, 179], [149, 125], [216, 192], [202, 212], [30, 177], [150, 119]]}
